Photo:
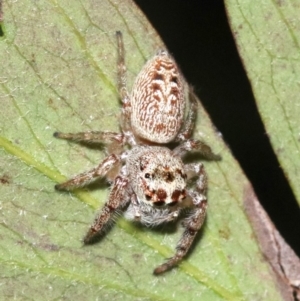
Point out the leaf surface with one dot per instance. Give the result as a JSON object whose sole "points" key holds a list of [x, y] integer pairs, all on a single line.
{"points": [[58, 73]]}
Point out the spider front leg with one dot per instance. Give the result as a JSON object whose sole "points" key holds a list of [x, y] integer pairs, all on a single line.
{"points": [[119, 198], [195, 219]]}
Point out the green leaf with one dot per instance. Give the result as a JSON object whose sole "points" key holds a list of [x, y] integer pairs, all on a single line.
{"points": [[267, 34], [58, 72]]}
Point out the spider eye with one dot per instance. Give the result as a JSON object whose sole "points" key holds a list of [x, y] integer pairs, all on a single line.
{"points": [[147, 175]]}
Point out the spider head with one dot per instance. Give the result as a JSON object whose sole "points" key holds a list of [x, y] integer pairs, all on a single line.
{"points": [[160, 180]]}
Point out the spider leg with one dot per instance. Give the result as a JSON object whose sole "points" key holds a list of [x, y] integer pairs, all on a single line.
{"points": [[84, 178], [197, 146], [126, 109], [91, 137], [195, 219], [114, 141], [118, 199], [121, 68], [189, 125]]}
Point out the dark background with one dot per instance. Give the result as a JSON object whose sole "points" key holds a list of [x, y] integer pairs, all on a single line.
{"points": [[197, 33]]}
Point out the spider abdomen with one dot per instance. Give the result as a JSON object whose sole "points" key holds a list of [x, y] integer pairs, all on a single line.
{"points": [[158, 103]]}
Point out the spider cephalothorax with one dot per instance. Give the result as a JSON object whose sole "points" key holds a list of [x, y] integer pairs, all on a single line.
{"points": [[159, 178]]}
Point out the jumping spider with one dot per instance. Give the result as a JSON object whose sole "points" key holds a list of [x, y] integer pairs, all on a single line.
{"points": [[149, 182]]}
